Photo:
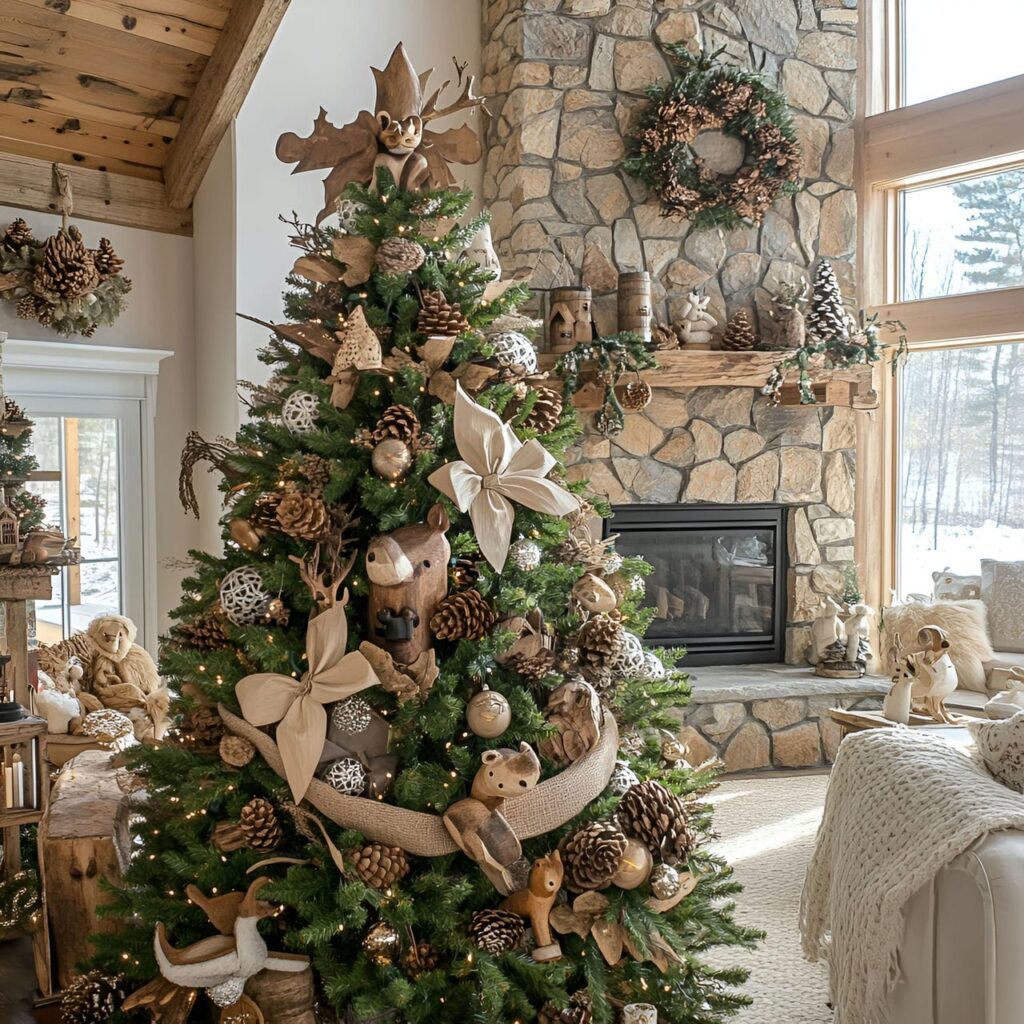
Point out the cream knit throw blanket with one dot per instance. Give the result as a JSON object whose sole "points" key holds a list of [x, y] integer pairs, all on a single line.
{"points": [[900, 806]]}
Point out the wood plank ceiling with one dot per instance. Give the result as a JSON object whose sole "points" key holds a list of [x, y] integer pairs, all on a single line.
{"points": [[132, 96]]}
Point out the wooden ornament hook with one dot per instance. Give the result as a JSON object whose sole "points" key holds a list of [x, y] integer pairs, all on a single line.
{"points": [[65, 199]]}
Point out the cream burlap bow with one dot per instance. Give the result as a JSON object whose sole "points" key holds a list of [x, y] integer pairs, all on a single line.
{"points": [[497, 469], [297, 705]]}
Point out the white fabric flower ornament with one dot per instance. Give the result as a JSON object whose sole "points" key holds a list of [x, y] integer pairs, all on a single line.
{"points": [[497, 469]]}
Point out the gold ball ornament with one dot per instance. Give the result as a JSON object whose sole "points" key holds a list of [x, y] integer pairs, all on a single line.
{"points": [[488, 714], [636, 866], [244, 535], [382, 945], [391, 459]]}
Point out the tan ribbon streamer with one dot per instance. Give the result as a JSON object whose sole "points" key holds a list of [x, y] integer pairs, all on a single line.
{"points": [[497, 469], [297, 705]]}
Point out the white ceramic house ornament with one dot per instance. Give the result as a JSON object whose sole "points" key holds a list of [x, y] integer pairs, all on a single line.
{"points": [[481, 251]]}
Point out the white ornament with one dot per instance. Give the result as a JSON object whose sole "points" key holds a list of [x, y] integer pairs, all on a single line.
{"points": [[347, 776], [514, 349], [300, 413], [653, 670], [481, 251], [629, 660], [525, 554], [348, 212], [695, 322], [243, 598], [227, 993], [664, 881], [351, 716], [639, 1013], [622, 778], [611, 563]]}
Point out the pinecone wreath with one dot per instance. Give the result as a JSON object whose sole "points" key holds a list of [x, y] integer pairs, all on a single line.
{"points": [[739, 333], [592, 855], [259, 824], [67, 268], [599, 640], [302, 515], [545, 413], [440, 317], [92, 998], [18, 233], [419, 958], [400, 255], [380, 866], [496, 931], [657, 817], [464, 615], [201, 729], [399, 422]]}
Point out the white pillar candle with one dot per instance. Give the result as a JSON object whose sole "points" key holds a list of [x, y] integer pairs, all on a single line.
{"points": [[8, 787], [19, 781]]}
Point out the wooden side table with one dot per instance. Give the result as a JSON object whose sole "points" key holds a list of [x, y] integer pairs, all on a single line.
{"points": [[858, 721]]}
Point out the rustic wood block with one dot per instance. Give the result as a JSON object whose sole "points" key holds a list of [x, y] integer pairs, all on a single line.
{"points": [[282, 997]]}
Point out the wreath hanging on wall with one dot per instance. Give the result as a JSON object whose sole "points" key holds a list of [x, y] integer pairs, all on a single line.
{"points": [[706, 95]]}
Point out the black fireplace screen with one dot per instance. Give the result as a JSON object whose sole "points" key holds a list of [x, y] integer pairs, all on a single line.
{"points": [[718, 585]]}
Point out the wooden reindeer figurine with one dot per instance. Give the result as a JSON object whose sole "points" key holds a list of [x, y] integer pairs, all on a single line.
{"points": [[936, 673], [408, 573], [477, 824], [536, 902]]}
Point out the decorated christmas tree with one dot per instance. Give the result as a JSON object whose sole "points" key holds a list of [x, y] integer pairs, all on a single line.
{"points": [[419, 734]]}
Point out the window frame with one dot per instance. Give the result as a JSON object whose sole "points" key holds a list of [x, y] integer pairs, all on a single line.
{"points": [[978, 130]]}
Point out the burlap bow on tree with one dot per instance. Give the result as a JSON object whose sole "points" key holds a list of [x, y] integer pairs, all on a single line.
{"points": [[497, 469], [297, 705]]}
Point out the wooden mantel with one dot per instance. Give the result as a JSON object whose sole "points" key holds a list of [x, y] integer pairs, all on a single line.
{"points": [[701, 368]]}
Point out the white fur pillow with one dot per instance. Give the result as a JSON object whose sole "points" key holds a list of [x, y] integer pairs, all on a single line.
{"points": [[58, 709], [964, 621], [1001, 745]]}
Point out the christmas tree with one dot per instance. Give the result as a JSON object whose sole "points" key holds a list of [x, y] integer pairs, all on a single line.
{"points": [[827, 319], [16, 460], [413, 693]]}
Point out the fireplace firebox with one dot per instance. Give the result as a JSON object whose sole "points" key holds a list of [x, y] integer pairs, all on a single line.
{"points": [[719, 581]]}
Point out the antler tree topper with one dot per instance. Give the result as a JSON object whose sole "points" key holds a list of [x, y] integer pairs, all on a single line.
{"points": [[393, 136]]}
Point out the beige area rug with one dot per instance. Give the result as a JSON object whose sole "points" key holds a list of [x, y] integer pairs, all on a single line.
{"points": [[767, 828]]}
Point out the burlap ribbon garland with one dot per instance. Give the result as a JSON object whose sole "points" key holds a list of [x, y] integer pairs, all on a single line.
{"points": [[545, 808]]}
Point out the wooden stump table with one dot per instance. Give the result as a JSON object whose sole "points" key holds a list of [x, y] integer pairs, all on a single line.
{"points": [[858, 721]]}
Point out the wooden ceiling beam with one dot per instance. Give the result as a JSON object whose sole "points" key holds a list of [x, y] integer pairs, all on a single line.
{"points": [[28, 101], [54, 153], [219, 94], [27, 183]]}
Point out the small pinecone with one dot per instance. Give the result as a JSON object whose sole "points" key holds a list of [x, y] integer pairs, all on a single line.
{"points": [[264, 513], [314, 469], [546, 411], [533, 666], [420, 958], [380, 866], [496, 931], [599, 640], [201, 729], [579, 1011], [592, 854], [236, 751], [18, 233], [27, 307], [397, 421], [440, 317], [464, 615], [92, 998], [664, 338], [259, 824], [205, 633], [67, 268], [657, 817], [302, 515], [400, 255], [739, 333], [619, 584], [108, 263], [636, 395], [463, 573], [44, 312]]}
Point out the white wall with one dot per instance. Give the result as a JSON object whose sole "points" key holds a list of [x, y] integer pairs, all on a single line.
{"points": [[159, 315], [321, 56]]}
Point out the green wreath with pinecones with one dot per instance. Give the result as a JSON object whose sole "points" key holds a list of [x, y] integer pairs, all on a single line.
{"points": [[60, 281], [706, 95]]}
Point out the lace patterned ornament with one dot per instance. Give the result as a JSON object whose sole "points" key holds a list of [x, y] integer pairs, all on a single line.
{"points": [[299, 413], [243, 597]]}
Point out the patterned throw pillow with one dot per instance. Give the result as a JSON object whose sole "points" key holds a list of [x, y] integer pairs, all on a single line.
{"points": [[1002, 590], [1001, 745]]}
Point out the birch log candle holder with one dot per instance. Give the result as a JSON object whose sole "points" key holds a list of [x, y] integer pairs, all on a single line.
{"points": [[634, 300]]}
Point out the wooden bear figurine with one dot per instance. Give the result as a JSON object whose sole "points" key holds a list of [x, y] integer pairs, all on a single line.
{"points": [[408, 573], [536, 901], [477, 824]]}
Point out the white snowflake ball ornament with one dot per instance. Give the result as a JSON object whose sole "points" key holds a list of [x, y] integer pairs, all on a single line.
{"points": [[525, 554], [622, 778], [629, 661], [653, 670], [347, 776], [300, 413], [349, 211], [243, 597], [513, 349]]}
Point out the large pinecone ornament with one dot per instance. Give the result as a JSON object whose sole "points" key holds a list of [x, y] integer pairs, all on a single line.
{"points": [[592, 855], [67, 269], [739, 333], [496, 931], [18, 233], [108, 263], [636, 395], [464, 615], [657, 817], [204, 634], [302, 515], [201, 729], [259, 823], [380, 866], [92, 998], [533, 666], [400, 255], [440, 317], [399, 422], [545, 413], [599, 640]]}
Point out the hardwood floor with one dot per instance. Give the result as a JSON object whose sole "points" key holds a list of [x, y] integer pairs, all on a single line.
{"points": [[17, 982]]}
